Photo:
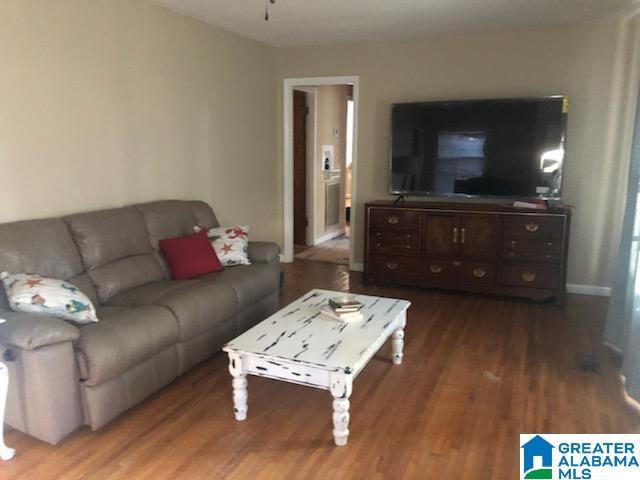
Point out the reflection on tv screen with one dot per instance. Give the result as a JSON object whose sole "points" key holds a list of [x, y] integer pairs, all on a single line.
{"points": [[512, 147]]}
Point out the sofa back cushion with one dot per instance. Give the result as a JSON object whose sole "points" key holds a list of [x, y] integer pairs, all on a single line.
{"points": [[204, 214], [84, 283], [43, 246], [115, 249], [174, 218]]}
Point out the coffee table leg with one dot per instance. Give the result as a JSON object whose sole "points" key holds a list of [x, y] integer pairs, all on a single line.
{"points": [[240, 393], [397, 343], [341, 385], [6, 453]]}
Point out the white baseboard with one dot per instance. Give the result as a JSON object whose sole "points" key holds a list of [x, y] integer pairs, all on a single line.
{"points": [[588, 289], [285, 259], [329, 236], [356, 267]]}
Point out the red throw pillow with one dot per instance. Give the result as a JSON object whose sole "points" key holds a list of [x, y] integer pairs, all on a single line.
{"points": [[190, 256]]}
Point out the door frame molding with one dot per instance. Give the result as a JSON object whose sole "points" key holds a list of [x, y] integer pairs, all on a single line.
{"points": [[287, 105]]}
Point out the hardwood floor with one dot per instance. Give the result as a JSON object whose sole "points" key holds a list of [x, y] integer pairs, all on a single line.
{"points": [[477, 372]]}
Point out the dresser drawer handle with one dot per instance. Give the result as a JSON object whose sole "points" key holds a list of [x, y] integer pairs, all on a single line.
{"points": [[528, 277], [393, 219], [378, 244], [392, 265], [479, 272], [531, 227], [435, 269]]}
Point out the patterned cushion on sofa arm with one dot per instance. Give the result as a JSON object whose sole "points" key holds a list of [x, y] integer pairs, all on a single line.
{"points": [[230, 244], [50, 297]]}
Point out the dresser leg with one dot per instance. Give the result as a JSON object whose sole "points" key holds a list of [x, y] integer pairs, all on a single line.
{"points": [[239, 382], [6, 453], [561, 300], [341, 385]]}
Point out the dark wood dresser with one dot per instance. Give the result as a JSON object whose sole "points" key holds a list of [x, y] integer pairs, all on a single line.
{"points": [[473, 247]]}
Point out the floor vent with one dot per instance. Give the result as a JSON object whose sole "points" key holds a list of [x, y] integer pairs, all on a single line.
{"points": [[332, 205]]}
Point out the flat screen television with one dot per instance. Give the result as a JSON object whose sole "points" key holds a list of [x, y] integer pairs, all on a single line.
{"points": [[494, 148]]}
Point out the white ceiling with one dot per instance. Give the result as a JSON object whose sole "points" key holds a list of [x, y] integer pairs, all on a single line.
{"points": [[315, 22]]}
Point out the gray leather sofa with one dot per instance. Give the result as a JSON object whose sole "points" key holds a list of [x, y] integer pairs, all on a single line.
{"points": [[151, 328]]}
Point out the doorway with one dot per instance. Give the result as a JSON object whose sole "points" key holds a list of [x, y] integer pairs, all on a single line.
{"points": [[322, 147], [300, 218]]}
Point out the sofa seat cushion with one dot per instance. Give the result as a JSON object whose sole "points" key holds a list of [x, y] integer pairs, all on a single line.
{"points": [[148, 294], [123, 338], [197, 306], [250, 283]]}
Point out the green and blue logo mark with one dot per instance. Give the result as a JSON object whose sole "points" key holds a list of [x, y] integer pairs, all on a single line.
{"points": [[552, 456], [537, 459]]}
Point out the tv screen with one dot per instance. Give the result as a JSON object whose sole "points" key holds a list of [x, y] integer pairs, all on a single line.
{"points": [[506, 147]]}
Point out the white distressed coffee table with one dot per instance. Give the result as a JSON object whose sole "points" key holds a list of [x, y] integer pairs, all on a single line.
{"points": [[298, 344], [6, 453]]}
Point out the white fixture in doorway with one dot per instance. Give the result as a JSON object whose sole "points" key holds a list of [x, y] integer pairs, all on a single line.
{"points": [[289, 85]]}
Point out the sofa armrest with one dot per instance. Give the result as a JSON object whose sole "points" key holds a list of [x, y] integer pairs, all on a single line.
{"points": [[28, 332], [263, 251]]}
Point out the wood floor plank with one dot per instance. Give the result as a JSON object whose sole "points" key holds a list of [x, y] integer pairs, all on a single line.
{"points": [[477, 372]]}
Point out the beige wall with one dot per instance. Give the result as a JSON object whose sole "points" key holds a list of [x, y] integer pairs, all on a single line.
{"points": [[585, 62], [106, 103], [111, 102]]}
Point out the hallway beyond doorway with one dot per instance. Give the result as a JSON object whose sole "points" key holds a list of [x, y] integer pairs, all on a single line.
{"points": [[334, 251], [323, 131]]}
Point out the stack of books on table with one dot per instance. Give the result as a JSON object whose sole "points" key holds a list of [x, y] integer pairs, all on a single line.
{"points": [[345, 308]]}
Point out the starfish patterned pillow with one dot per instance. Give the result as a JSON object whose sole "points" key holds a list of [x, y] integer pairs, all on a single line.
{"points": [[47, 296], [231, 244]]}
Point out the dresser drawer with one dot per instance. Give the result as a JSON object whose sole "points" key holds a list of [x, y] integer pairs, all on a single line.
{"points": [[534, 250], [535, 276], [439, 270], [525, 257], [532, 245], [473, 272], [394, 219], [532, 226], [395, 243], [393, 265]]}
